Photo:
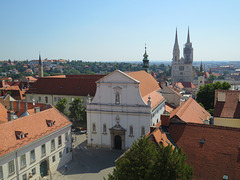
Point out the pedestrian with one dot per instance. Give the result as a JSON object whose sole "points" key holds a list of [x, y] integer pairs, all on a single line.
{"points": [[75, 138], [66, 167]]}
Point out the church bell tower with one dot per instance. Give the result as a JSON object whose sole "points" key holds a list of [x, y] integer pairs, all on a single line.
{"points": [[188, 51], [145, 61], [40, 67]]}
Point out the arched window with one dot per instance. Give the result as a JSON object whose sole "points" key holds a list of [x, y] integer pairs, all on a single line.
{"points": [[104, 129], [93, 127], [131, 131], [143, 131], [117, 98], [157, 120], [153, 124]]}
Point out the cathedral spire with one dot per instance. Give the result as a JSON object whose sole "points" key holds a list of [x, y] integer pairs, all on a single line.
{"points": [[188, 37], [145, 60], [176, 38], [40, 61]]}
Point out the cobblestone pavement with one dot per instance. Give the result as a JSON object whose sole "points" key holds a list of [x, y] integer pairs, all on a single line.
{"points": [[88, 163]]}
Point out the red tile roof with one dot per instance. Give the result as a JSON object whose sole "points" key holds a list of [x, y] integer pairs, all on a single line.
{"points": [[188, 85], [30, 107], [148, 87], [79, 85], [36, 127], [230, 108], [190, 111], [3, 114], [219, 155]]}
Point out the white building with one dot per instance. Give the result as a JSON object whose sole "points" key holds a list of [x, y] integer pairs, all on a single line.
{"points": [[123, 109], [33, 146]]}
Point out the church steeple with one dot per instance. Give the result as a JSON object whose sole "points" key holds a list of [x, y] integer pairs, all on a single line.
{"points": [[176, 51], [201, 67], [145, 61], [188, 37], [40, 67]]}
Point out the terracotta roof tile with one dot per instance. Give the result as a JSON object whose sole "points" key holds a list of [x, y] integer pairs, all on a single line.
{"points": [[3, 114], [80, 85], [148, 87], [35, 125], [191, 111], [218, 155], [230, 108], [188, 85]]}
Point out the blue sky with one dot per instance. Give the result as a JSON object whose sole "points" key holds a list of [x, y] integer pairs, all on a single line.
{"points": [[116, 30]]}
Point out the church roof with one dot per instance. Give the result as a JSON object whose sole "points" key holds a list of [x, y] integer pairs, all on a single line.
{"points": [[148, 87]]}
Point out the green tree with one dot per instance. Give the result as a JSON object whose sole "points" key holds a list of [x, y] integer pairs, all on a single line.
{"points": [[146, 160], [211, 77], [61, 105], [206, 94], [77, 111]]}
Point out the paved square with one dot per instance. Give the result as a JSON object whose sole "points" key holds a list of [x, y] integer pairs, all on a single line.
{"points": [[88, 163]]}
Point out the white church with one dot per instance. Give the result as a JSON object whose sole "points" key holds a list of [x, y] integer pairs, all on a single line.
{"points": [[123, 109]]}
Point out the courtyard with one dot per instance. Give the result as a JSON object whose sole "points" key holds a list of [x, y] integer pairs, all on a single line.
{"points": [[87, 162]]}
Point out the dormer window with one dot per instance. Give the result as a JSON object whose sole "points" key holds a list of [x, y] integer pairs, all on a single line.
{"points": [[50, 123], [20, 134]]}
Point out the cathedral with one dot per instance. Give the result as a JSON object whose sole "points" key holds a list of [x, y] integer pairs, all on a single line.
{"points": [[182, 67]]}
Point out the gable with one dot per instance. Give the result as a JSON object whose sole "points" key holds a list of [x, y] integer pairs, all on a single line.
{"points": [[117, 77]]}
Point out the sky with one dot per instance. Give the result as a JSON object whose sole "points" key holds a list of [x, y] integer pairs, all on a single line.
{"points": [[117, 30]]}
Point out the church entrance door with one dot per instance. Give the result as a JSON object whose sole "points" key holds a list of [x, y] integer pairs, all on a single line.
{"points": [[117, 142]]}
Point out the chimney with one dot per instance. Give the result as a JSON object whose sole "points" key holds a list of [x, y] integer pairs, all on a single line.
{"points": [[10, 115], [25, 106], [36, 109], [18, 106], [165, 120], [11, 105]]}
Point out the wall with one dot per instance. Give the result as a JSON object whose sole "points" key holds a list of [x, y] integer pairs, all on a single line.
{"points": [[19, 172], [53, 99], [229, 122]]}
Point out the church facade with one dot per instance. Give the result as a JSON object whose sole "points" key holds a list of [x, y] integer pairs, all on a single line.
{"points": [[182, 67], [123, 109]]}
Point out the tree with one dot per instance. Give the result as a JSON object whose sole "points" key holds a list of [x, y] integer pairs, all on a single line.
{"points": [[146, 160], [61, 105], [211, 77], [77, 111], [206, 94]]}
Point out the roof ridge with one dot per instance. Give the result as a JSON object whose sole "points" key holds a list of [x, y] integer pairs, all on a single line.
{"points": [[185, 106]]}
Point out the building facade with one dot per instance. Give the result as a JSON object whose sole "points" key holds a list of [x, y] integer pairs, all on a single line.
{"points": [[123, 109], [182, 67], [34, 146]]}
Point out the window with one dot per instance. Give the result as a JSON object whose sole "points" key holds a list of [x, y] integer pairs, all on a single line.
{"points": [[60, 154], [94, 128], [39, 98], [33, 171], [104, 129], [66, 137], [23, 161], [53, 159], [55, 99], [24, 177], [117, 98], [11, 168], [59, 140], [67, 150], [1, 172], [143, 131], [43, 150], [53, 145], [46, 99], [181, 68], [131, 131], [32, 155]]}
